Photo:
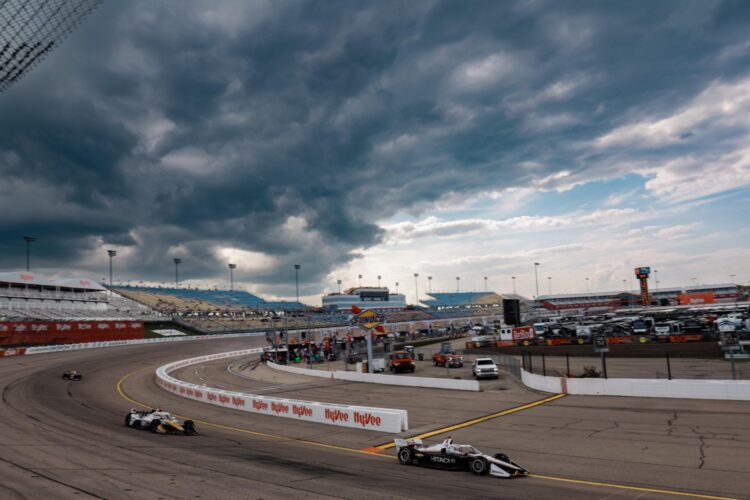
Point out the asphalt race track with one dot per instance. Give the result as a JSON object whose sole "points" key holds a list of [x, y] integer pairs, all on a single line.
{"points": [[63, 439]]}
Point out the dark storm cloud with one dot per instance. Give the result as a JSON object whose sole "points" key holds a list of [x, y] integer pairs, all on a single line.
{"points": [[291, 128]]}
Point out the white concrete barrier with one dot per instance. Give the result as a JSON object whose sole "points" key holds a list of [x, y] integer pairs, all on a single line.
{"points": [[374, 378], [359, 417], [646, 388], [114, 343]]}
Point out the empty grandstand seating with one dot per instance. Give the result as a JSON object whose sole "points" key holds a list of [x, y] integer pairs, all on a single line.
{"points": [[191, 298], [462, 299]]}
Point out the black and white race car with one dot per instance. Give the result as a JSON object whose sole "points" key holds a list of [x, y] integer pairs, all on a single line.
{"points": [[447, 455], [72, 375], [160, 422]]}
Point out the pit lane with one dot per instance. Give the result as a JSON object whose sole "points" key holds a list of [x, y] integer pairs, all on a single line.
{"points": [[67, 439]]}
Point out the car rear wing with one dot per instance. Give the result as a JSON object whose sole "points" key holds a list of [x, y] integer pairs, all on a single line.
{"points": [[403, 443]]}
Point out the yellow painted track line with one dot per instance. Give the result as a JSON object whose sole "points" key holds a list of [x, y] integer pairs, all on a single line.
{"points": [[631, 488], [475, 421], [428, 434]]}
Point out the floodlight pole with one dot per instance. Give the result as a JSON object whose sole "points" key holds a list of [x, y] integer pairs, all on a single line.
{"points": [[296, 278], [111, 254], [416, 287], [458, 284], [28, 240], [232, 267], [176, 272], [429, 283], [485, 283], [514, 285], [536, 279], [338, 282]]}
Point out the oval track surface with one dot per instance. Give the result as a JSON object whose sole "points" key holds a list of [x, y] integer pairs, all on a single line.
{"points": [[67, 440]]}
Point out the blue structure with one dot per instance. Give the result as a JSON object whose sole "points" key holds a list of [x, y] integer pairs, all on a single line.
{"points": [[457, 299]]}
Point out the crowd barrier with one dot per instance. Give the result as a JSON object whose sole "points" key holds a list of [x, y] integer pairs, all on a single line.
{"points": [[738, 390], [374, 378], [359, 417]]}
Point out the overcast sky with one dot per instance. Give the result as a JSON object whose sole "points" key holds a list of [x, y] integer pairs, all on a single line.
{"points": [[386, 138]]}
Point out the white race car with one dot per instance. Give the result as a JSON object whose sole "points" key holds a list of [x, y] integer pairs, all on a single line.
{"points": [[447, 455], [160, 422]]}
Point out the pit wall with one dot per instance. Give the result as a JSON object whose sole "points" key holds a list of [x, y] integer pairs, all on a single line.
{"points": [[738, 390], [358, 417], [374, 378]]}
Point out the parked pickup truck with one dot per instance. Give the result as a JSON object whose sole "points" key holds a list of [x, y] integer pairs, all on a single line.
{"points": [[449, 359]]}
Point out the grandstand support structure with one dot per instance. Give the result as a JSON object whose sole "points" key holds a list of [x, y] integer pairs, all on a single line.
{"points": [[30, 29]]}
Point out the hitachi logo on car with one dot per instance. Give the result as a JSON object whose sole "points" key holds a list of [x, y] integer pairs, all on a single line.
{"points": [[443, 460]]}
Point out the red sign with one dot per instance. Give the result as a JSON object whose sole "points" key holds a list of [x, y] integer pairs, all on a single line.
{"points": [[523, 332]]}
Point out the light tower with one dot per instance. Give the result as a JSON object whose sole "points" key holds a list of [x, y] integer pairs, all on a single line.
{"points": [[485, 283], [296, 278], [379, 280], [536, 278], [416, 287], [111, 254], [232, 267], [29, 240], [458, 284], [514, 284], [338, 282], [429, 283], [177, 263], [360, 280]]}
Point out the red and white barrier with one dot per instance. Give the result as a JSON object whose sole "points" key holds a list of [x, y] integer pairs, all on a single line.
{"points": [[358, 417]]}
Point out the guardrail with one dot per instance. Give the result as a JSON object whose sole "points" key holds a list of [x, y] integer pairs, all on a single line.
{"points": [[374, 378], [647, 388], [358, 417]]}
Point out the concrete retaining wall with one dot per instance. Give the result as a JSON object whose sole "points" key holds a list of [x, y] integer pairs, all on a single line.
{"points": [[359, 417], [374, 378], [646, 388]]}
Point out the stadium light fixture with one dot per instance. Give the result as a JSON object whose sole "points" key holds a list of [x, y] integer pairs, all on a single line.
{"points": [[177, 263], [29, 240], [232, 267], [31, 29], [111, 254], [296, 278], [536, 278]]}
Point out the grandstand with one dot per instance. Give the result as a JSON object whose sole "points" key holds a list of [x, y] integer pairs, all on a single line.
{"points": [[33, 296], [191, 299], [463, 300]]}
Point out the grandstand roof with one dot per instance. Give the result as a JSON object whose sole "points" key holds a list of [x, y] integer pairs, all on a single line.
{"points": [[686, 289], [24, 278]]}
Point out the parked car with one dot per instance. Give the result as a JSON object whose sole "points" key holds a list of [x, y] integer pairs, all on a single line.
{"points": [[449, 359]]}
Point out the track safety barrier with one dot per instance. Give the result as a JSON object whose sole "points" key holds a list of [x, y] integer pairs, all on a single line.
{"points": [[374, 378], [359, 417], [737, 390]]}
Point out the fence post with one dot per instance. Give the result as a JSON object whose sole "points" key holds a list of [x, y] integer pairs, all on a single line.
{"points": [[531, 366], [669, 367], [544, 366], [567, 365]]}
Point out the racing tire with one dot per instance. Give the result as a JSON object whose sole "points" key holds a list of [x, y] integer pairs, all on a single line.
{"points": [[479, 466], [189, 427], [127, 420], [404, 456], [154, 425]]}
